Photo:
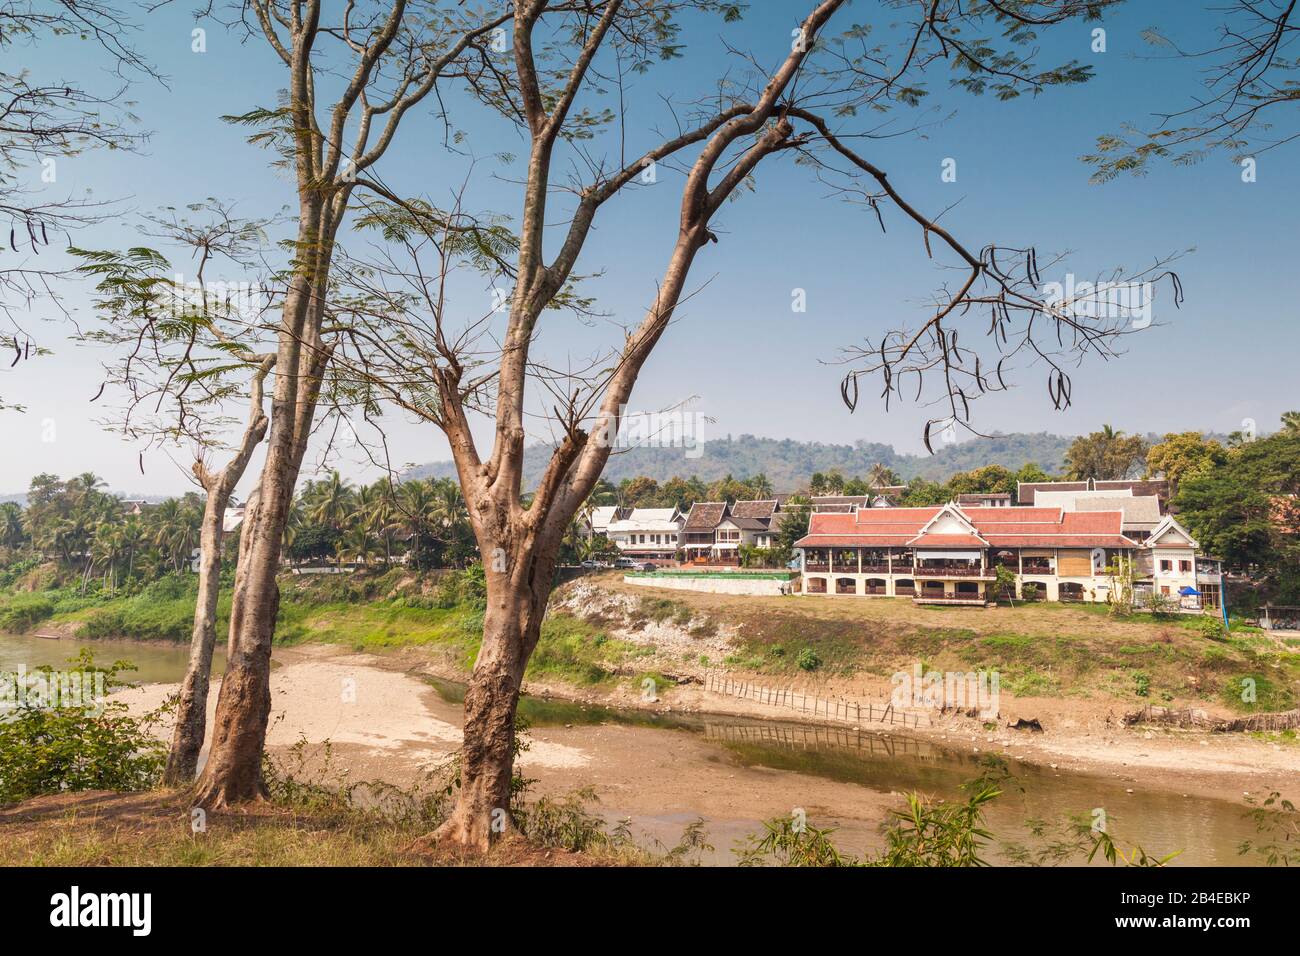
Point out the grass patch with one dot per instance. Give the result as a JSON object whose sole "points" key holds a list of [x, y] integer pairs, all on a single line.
{"points": [[1256, 693]]}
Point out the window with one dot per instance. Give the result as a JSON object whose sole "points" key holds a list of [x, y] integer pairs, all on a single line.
{"points": [[1185, 567], [1166, 565]]}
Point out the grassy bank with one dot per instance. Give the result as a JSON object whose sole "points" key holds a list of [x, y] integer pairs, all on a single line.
{"points": [[1040, 650], [443, 612]]}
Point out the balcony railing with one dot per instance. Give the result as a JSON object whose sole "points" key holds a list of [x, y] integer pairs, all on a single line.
{"points": [[1035, 568], [875, 569], [922, 571], [816, 566]]}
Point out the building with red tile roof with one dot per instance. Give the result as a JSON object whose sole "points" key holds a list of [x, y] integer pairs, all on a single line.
{"points": [[950, 554]]}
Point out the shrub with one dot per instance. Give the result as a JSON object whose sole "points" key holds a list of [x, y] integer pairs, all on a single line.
{"points": [[95, 746], [808, 660], [24, 611], [1212, 628]]}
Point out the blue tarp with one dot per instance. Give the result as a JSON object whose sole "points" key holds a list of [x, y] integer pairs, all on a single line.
{"points": [[1186, 591]]}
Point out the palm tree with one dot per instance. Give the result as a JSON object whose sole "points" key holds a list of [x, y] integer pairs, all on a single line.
{"points": [[11, 524], [415, 500], [881, 475], [762, 488], [449, 514], [330, 501], [106, 547], [131, 535], [359, 544], [383, 517], [294, 521], [169, 530], [1291, 422]]}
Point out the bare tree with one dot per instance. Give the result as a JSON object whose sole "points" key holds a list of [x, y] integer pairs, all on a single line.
{"points": [[182, 352], [420, 357], [386, 58]]}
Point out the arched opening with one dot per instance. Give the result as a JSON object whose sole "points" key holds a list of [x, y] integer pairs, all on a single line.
{"points": [[816, 585], [905, 587], [846, 586], [876, 586], [1072, 592]]}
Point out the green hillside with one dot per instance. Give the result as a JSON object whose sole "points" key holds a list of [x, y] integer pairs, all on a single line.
{"points": [[788, 463]]}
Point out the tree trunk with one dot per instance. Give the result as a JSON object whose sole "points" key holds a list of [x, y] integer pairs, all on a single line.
{"points": [[233, 772], [192, 710], [511, 626]]}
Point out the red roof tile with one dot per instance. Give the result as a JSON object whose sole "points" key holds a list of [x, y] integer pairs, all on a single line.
{"points": [[1000, 527]]}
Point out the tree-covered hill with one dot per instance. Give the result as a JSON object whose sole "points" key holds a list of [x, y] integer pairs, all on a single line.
{"points": [[788, 463]]}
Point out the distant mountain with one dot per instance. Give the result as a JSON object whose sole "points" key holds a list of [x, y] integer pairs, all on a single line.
{"points": [[789, 463]]}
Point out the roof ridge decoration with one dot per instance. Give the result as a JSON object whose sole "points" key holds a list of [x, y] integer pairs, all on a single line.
{"points": [[1170, 523]]}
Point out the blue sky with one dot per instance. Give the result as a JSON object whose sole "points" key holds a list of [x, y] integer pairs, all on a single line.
{"points": [[1228, 354]]}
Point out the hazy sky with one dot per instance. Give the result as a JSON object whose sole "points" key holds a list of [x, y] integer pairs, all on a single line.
{"points": [[1228, 354]]}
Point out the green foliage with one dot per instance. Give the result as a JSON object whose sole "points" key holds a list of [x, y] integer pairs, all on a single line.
{"points": [[95, 746], [934, 832], [1185, 455], [1115, 855], [1212, 627], [1277, 825], [787, 841], [1107, 455], [20, 612], [1005, 583], [1239, 512], [1257, 693], [575, 650], [808, 660], [931, 833], [568, 823]]}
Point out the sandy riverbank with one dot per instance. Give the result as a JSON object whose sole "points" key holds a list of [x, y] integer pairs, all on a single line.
{"points": [[1082, 737], [383, 721]]}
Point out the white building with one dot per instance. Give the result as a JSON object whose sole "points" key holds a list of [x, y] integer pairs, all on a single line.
{"points": [[648, 532]]}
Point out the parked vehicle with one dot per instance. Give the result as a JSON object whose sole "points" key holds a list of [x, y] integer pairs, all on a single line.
{"points": [[649, 566], [626, 563]]}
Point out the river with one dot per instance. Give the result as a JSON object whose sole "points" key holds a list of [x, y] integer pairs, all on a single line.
{"points": [[1207, 831]]}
